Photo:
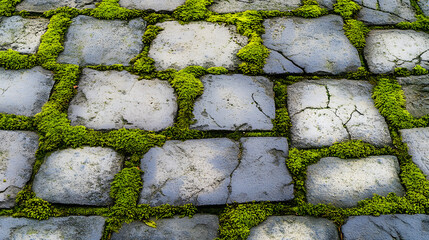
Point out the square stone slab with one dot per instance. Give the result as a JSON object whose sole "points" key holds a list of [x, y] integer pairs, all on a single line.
{"points": [[311, 45], [385, 12], [22, 34], [36, 83], [417, 140], [112, 99], [157, 5], [235, 102], [17, 156], [416, 91], [327, 111], [45, 5], [196, 44], [78, 176], [91, 41], [228, 6]]}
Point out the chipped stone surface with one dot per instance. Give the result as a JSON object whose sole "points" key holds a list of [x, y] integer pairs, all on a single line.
{"points": [[327, 111], [196, 43], [17, 156], [228, 6], [386, 227], [200, 226], [386, 50], [112, 99], [424, 6], [235, 102], [416, 91], [21, 34], [157, 5], [295, 228], [91, 41], [417, 140], [45, 5], [345, 182], [78, 176], [70, 228], [382, 12], [36, 83], [313, 45]]}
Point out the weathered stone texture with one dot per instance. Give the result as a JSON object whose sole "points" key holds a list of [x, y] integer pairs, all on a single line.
{"points": [[417, 140], [157, 5], [424, 6], [416, 91], [228, 6], [383, 12], [45, 5]]}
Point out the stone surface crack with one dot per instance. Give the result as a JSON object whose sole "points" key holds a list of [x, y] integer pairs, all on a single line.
{"points": [[394, 14], [329, 96], [287, 58], [259, 106], [344, 125], [239, 157], [351, 115], [159, 189], [4, 90]]}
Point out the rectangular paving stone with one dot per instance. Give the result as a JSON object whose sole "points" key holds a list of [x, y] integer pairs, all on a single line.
{"points": [[157, 5], [417, 140], [416, 91], [45, 5], [228, 6], [384, 12]]}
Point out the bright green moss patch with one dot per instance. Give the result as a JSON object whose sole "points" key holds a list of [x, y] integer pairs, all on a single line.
{"points": [[30, 206], [402, 72], [151, 33], [7, 7], [346, 8], [153, 18], [310, 9], [422, 23], [193, 10], [282, 121], [356, 32], [14, 122], [217, 70], [110, 9], [11, 59], [361, 73], [253, 55], [419, 70]]}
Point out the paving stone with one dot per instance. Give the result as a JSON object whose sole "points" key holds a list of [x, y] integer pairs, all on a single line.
{"points": [[383, 12], [424, 6], [67, 228], [328, 4], [228, 6], [90, 41], [345, 182], [36, 83], [157, 5], [386, 50], [386, 227], [313, 45], [45, 5], [277, 64], [112, 99], [78, 176], [196, 43], [235, 102], [17, 156], [417, 140], [22, 34], [200, 226], [327, 111], [294, 228], [416, 91]]}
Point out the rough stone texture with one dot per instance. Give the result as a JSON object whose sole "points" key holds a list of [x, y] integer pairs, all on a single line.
{"points": [[417, 140], [36, 83], [382, 12], [345, 182], [313, 45], [295, 228], [329, 4], [347, 114], [45, 5], [200, 226], [424, 6], [386, 227], [21, 34], [67, 228], [112, 99], [235, 102], [78, 176], [196, 43], [416, 91], [157, 5], [228, 6], [277, 64], [90, 41], [17, 156], [386, 50]]}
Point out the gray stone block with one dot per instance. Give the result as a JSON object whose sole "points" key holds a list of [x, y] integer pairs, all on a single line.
{"points": [[45, 5], [417, 140], [424, 6], [157, 5], [383, 12], [229, 6], [416, 91]]}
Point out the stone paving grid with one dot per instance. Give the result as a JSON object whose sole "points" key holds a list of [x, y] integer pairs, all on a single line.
{"points": [[245, 162]]}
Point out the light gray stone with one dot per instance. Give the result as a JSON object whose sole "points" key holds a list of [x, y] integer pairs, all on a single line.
{"points": [[417, 140], [277, 64], [112, 99], [17, 156], [295, 228], [313, 45], [67, 228], [36, 83], [91, 41], [424, 6], [78, 176], [329, 4], [228, 6], [327, 111], [45, 5], [386, 227], [386, 50], [157, 5], [196, 43], [199, 227], [383, 12], [345, 182], [416, 91], [235, 102], [22, 34]]}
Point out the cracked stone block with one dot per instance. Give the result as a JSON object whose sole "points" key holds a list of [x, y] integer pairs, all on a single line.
{"points": [[311, 45], [416, 91], [157, 5], [386, 227], [229, 6], [113, 100], [196, 44], [424, 6], [386, 50], [17, 157], [345, 182], [45, 5], [70, 228], [384, 12], [417, 140], [327, 111], [91, 41], [22, 34], [235, 102], [200, 226], [78, 176], [294, 228], [36, 83]]}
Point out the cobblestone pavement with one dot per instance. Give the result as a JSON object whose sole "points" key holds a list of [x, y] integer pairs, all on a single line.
{"points": [[201, 119]]}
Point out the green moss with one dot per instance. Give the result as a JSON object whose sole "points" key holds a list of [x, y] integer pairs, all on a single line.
{"points": [[253, 55], [117, 67], [310, 9], [346, 8], [419, 70], [217, 70], [282, 121], [110, 9], [14, 122], [150, 34], [422, 23], [193, 10], [11, 59], [402, 72], [153, 18], [361, 73], [144, 65], [356, 32], [7, 7], [28, 205]]}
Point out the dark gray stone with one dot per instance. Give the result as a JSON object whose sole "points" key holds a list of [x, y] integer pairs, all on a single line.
{"points": [[417, 140], [228, 6], [45, 5], [416, 91]]}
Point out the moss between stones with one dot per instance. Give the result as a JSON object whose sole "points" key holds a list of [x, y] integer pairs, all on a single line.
{"points": [[356, 32], [346, 8], [310, 9], [7, 7], [14, 122], [422, 23]]}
